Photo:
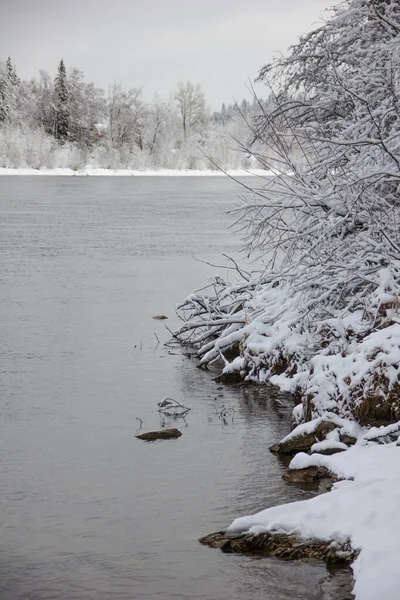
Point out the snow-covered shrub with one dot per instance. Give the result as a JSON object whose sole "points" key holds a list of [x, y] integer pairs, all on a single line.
{"points": [[25, 147], [323, 318]]}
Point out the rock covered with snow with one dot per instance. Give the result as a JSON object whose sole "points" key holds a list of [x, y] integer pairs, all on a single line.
{"points": [[362, 508]]}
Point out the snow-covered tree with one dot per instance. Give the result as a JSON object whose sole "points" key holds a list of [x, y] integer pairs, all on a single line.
{"points": [[9, 82], [86, 108], [121, 131], [191, 103], [12, 73], [126, 113], [326, 227], [61, 93], [4, 94], [38, 102]]}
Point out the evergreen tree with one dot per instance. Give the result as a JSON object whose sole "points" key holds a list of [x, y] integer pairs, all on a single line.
{"points": [[12, 73], [61, 103], [5, 94], [3, 99]]}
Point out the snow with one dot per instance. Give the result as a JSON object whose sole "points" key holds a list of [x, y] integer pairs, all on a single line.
{"points": [[383, 431], [333, 360], [137, 173], [298, 414], [304, 429], [329, 444], [323, 319], [346, 426], [363, 508]]}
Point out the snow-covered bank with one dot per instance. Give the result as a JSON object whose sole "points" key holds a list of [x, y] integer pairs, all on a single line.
{"points": [[340, 360], [322, 317], [345, 362], [363, 508], [136, 173]]}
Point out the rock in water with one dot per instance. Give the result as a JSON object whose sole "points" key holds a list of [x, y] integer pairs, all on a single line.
{"points": [[164, 434], [303, 442], [305, 475], [285, 546]]}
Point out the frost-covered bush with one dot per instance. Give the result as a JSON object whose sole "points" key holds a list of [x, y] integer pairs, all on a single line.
{"points": [[25, 147], [323, 318]]}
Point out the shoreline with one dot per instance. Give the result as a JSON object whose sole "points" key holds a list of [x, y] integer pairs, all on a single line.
{"points": [[277, 533], [89, 172], [351, 521], [346, 419]]}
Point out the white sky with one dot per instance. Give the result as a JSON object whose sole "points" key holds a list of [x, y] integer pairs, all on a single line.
{"points": [[156, 43]]}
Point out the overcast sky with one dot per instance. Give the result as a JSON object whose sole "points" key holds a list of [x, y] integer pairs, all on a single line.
{"points": [[155, 43]]}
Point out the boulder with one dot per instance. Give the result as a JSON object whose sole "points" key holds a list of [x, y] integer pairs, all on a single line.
{"points": [[283, 546], [303, 443], [163, 434], [347, 439], [329, 450], [305, 475]]}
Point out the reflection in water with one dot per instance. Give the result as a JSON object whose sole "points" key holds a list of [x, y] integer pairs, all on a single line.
{"points": [[86, 509]]}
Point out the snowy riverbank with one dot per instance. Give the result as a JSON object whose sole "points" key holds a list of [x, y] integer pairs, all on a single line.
{"points": [[345, 367], [136, 173], [361, 508], [357, 521]]}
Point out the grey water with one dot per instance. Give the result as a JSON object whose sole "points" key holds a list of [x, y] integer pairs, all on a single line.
{"points": [[87, 511]]}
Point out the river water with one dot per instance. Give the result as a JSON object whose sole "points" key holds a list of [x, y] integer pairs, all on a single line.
{"points": [[88, 511]]}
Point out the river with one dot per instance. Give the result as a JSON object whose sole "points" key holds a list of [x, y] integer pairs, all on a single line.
{"points": [[88, 511]]}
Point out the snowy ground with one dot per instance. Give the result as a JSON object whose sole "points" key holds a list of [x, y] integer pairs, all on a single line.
{"points": [[362, 508], [133, 173]]}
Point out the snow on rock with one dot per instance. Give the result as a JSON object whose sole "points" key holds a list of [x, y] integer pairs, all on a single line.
{"points": [[329, 446], [382, 432], [344, 425], [363, 508], [298, 414]]}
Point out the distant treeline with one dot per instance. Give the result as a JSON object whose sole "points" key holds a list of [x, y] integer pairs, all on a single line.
{"points": [[66, 122]]}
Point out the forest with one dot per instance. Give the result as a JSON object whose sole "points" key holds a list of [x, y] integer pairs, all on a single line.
{"points": [[66, 122]]}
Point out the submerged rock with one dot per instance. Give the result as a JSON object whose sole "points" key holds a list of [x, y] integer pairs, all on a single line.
{"points": [[164, 434], [283, 546], [230, 378]]}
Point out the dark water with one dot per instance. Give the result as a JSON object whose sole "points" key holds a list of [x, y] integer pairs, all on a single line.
{"points": [[87, 511]]}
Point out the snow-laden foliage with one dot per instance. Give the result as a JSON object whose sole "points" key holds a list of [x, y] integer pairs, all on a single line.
{"points": [[120, 129], [322, 319]]}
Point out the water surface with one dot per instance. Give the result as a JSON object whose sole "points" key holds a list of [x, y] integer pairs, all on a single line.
{"points": [[87, 510]]}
